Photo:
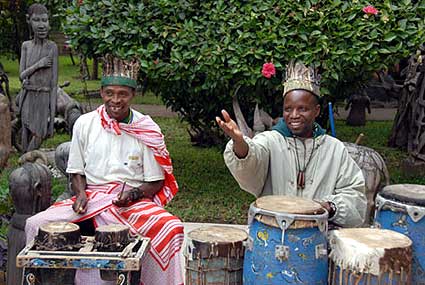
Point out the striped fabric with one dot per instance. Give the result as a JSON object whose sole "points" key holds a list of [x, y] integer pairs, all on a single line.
{"points": [[144, 217], [149, 133]]}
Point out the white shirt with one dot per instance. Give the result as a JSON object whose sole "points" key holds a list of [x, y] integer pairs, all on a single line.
{"points": [[104, 157]]}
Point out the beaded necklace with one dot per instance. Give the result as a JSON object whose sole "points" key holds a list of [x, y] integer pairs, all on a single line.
{"points": [[301, 172]]}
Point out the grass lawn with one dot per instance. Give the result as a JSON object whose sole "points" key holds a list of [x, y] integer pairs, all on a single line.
{"points": [[70, 72]]}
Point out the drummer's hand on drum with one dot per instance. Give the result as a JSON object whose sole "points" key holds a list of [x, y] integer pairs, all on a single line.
{"points": [[80, 204], [240, 147]]}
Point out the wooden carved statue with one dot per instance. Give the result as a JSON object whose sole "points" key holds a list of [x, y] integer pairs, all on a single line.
{"points": [[375, 173], [358, 102], [39, 75], [61, 161], [30, 189], [5, 131], [5, 119], [408, 131]]}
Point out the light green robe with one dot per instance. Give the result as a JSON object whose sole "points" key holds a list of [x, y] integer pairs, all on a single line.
{"points": [[270, 168]]}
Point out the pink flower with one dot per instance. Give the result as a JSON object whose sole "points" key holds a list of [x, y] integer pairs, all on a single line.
{"points": [[268, 70], [370, 10]]}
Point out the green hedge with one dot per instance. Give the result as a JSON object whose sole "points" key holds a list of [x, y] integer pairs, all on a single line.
{"points": [[197, 53]]}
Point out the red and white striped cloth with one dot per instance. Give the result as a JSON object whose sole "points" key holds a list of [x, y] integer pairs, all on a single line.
{"points": [[149, 133]]}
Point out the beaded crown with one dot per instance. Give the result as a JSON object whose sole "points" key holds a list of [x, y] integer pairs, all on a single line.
{"points": [[117, 71], [299, 76]]}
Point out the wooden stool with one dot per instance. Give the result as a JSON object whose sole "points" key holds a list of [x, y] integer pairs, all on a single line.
{"points": [[126, 263]]}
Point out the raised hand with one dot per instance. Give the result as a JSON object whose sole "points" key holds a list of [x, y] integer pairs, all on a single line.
{"points": [[240, 147], [229, 127]]}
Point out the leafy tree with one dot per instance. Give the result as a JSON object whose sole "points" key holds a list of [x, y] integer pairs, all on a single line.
{"points": [[196, 54]]}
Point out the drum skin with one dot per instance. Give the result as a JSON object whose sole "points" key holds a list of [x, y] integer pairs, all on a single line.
{"points": [[394, 218], [365, 256], [301, 266]]}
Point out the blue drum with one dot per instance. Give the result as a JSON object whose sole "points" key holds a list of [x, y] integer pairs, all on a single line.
{"points": [[287, 242], [401, 208], [364, 256]]}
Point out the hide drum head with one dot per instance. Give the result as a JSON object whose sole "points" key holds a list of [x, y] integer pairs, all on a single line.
{"points": [[372, 238], [218, 234], [59, 227], [406, 193], [370, 250], [289, 205], [280, 204]]}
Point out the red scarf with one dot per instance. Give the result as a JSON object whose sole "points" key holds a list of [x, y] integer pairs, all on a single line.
{"points": [[149, 133]]}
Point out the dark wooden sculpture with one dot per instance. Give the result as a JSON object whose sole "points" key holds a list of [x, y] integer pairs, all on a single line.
{"points": [[359, 103], [5, 131], [408, 130], [39, 75], [30, 189], [61, 161]]}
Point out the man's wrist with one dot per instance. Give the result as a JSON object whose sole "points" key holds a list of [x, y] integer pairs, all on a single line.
{"points": [[332, 209]]}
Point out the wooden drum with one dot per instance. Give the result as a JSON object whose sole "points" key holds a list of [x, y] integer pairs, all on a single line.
{"points": [[364, 256], [214, 255], [111, 238], [57, 236]]}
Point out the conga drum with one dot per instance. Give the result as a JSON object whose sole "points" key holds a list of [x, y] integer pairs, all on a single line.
{"points": [[401, 208], [365, 256], [287, 242], [57, 236], [214, 255]]}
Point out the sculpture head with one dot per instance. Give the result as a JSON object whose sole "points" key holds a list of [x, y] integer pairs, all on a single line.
{"points": [[38, 19], [30, 188]]}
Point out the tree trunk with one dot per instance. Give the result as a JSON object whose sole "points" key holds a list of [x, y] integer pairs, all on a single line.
{"points": [[94, 74]]}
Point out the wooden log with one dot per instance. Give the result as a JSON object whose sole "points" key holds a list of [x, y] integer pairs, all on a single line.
{"points": [[58, 236]]}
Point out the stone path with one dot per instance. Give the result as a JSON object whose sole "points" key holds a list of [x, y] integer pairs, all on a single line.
{"points": [[377, 114]]}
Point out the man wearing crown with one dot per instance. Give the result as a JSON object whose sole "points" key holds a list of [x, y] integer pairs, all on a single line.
{"points": [[297, 158], [121, 173]]}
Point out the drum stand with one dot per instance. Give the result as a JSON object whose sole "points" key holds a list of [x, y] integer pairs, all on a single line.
{"points": [[125, 265]]}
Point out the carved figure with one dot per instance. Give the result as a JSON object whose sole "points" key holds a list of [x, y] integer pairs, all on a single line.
{"points": [[359, 103], [374, 170], [61, 161], [30, 189], [408, 130], [39, 75], [5, 131]]}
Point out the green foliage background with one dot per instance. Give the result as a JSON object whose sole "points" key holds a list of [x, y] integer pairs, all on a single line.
{"points": [[197, 53]]}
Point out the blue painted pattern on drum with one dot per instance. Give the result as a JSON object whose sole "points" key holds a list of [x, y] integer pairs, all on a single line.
{"points": [[401, 222], [351, 277], [262, 267]]}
